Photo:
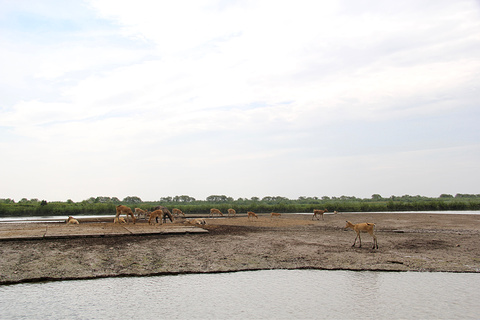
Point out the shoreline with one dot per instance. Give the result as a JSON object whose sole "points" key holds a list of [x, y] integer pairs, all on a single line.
{"points": [[49, 279], [418, 242]]}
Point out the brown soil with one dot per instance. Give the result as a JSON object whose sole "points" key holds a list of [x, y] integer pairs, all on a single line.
{"points": [[407, 242]]}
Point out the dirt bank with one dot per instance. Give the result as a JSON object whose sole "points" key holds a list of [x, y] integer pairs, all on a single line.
{"points": [[407, 242]]}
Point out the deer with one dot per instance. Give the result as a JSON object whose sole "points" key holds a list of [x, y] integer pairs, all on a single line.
{"points": [[141, 214], [72, 220], [200, 221], [231, 212], [319, 213], [215, 211], [166, 213], [275, 214], [121, 209], [363, 227], [177, 212], [119, 220], [251, 214], [163, 215]]}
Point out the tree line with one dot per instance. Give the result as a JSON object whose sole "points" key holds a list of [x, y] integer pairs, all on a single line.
{"points": [[376, 203]]}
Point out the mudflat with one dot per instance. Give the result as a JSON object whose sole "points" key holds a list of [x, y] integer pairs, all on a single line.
{"points": [[407, 242]]}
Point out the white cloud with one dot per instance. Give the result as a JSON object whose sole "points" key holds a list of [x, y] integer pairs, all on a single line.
{"points": [[275, 96], [66, 58]]}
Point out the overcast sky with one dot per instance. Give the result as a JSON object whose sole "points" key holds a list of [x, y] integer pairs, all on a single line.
{"points": [[238, 98]]}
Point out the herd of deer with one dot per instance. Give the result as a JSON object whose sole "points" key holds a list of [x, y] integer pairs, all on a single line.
{"points": [[162, 213]]}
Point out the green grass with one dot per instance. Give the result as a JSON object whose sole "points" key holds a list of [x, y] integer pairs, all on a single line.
{"points": [[8, 208]]}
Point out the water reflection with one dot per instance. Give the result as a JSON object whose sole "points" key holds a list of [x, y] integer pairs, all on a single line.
{"points": [[274, 294]]}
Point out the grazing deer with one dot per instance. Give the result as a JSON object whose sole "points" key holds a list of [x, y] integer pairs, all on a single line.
{"points": [[177, 212], [319, 213], [166, 213], [363, 227], [126, 211], [160, 214], [275, 214], [215, 211], [231, 212], [155, 215], [251, 214], [140, 214]]}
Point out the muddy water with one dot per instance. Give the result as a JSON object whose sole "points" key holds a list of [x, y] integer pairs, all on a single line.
{"points": [[272, 294]]}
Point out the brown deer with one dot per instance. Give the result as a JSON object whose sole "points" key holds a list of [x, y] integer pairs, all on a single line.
{"points": [[140, 214], [215, 211], [363, 227], [163, 215], [275, 214], [251, 214], [72, 220], [177, 212], [319, 213], [124, 210]]}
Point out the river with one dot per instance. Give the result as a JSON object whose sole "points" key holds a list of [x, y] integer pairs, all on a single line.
{"points": [[32, 219], [269, 294]]}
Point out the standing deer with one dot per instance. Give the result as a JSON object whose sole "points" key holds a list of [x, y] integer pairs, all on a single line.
{"points": [[363, 227], [319, 213]]}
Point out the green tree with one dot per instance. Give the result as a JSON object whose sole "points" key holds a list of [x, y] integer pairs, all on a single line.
{"points": [[183, 198], [103, 200], [90, 200], [219, 198], [376, 197], [132, 199]]}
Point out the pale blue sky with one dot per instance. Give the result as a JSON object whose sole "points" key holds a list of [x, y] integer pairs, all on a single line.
{"points": [[241, 98]]}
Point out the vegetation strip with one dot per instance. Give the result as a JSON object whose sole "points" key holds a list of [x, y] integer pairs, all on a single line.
{"points": [[189, 205]]}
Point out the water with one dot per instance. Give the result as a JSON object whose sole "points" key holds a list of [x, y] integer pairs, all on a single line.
{"points": [[63, 218], [271, 294]]}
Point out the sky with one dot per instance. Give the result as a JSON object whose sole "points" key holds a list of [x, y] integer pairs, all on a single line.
{"points": [[238, 98]]}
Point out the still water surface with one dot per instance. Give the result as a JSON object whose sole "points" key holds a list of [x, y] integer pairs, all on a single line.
{"points": [[31, 219], [271, 294]]}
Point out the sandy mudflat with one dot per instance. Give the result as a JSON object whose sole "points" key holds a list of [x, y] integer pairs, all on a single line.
{"points": [[407, 242]]}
